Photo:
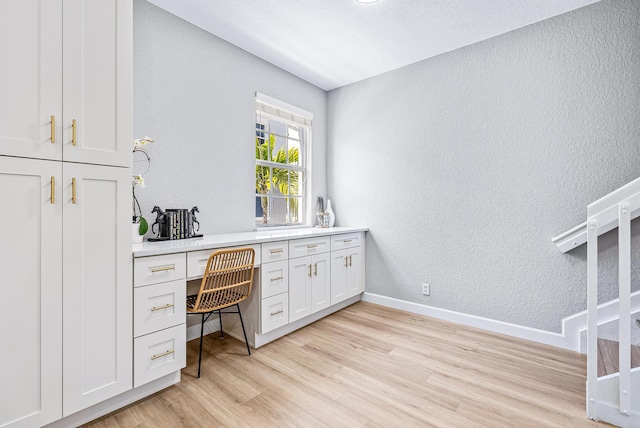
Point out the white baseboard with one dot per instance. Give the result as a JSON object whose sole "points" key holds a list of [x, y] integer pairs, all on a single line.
{"points": [[117, 402], [527, 333]]}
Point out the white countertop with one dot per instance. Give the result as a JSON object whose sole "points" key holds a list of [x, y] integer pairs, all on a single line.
{"points": [[147, 248]]}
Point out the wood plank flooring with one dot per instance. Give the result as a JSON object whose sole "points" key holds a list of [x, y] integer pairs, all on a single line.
{"points": [[371, 366]]}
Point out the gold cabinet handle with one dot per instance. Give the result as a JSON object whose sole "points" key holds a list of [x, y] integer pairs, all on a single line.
{"points": [[159, 308], [309, 271], [163, 268], [346, 261], [312, 246], [74, 126], [53, 190], [276, 312], [74, 196], [315, 269], [164, 354], [53, 129], [350, 262], [346, 241], [277, 278], [276, 251]]}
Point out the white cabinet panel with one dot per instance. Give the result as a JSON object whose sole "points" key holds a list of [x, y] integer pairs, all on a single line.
{"points": [[346, 274], [31, 305], [308, 246], [275, 312], [309, 287], [97, 284], [98, 81], [320, 285], [354, 272], [347, 240], [156, 269], [300, 273], [159, 306], [197, 260], [275, 251], [160, 353], [274, 278], [30, 78]]}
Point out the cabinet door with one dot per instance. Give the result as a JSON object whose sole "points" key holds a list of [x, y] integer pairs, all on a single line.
{"points": [[320, 284], [97, 284], [300, 273], [97, 81], [31, 78], [354, 272], [31, 305], [339, 265]]}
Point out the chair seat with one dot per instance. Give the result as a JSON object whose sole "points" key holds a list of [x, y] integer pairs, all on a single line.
{"points": [[222, 302]]}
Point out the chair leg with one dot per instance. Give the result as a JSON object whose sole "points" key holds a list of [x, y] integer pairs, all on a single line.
{"points": [[243, 331], [220, 319], [200, 352]]}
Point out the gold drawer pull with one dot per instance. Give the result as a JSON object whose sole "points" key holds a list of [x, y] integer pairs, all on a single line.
{"points": [[159, 308], [277, 278], [164, 354], [74, 195], [163, 268], [312, 246], [346, 241], [52, 198], [74, 126], [276, 312], [276, 251], [53, 129]]}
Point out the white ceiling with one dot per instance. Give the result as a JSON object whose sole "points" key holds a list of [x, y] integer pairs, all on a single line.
{"points": [[331, 43]]}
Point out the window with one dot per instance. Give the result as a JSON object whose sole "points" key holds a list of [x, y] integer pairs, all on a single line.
{"points": [[282, 154]]}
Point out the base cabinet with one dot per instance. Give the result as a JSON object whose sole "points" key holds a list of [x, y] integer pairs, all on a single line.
{"points": [[97, 297], [346, 274], [159, 317], [31, 307], [309, 287], [67, 263]]}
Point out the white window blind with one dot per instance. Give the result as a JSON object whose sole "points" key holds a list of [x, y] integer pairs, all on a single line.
{"points": [[277, 108]]}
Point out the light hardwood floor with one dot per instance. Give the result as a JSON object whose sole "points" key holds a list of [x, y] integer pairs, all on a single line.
{"points": [[371, 366]]}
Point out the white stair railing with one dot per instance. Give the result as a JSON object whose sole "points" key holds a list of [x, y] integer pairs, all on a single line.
{"points": [[618, 405]]}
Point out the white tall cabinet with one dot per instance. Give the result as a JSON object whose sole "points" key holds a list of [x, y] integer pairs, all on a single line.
{"points": [[65, 177]]}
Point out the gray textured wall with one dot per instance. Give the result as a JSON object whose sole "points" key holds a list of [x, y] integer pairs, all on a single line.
{"points": [[195, 95], [464, 166]]}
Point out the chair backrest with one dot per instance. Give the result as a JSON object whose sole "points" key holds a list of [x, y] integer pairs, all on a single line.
{"points": [[227, 279]]}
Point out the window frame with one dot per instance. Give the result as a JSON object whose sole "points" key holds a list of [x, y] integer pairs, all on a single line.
{"points": [[269, 109]]}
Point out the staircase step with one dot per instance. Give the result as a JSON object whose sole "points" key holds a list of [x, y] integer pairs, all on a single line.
{"points": [[608, 356]]}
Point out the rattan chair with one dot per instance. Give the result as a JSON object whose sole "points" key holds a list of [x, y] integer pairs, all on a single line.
{"points": [[227, 281]]}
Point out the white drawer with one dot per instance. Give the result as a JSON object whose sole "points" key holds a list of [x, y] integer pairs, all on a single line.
{"points": [[156, 269], [274, 278], [347, 240], [275, 251], [158, 354], [275, 312], [308, 246], [159, 306], [197, 260]]}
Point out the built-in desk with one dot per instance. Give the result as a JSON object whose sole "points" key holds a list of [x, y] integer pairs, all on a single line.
{"points": [[303, 275]]}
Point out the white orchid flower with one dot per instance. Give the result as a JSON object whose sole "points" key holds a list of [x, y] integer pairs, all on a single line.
{"points": [[138, 180], [139, 142]]}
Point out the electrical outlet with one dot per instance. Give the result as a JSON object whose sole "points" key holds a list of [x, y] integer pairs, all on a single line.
{"points": [[426, 289]]}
